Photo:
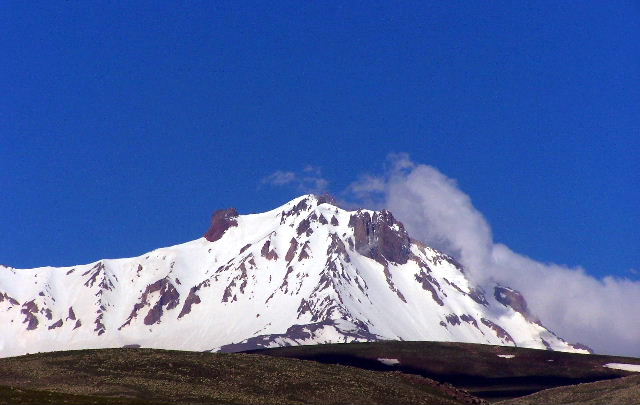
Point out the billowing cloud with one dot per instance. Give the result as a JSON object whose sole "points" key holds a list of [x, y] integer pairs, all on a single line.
{"points": [[602, 313]]}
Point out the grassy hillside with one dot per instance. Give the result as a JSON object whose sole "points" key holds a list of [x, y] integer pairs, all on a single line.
{"points": [[145, 376], [473, 367], [353, 373], [620, 391]]}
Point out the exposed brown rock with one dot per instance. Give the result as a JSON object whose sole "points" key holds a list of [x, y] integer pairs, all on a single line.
{"points": [[169, 299], [477, 295], [500, 332], [453, 319], [440, 257], [72, 315], [56, 325], [5, 296], [513, 299], [326, 199], [392, 286], [221, 221], [192, 298], [29, 310], [293, 246], [581, 346], [95, 271], [334, 221], [304, 227], [304, 252], [469, 319], [100, 328], [380, 236], [337, 247], [269, 254], [429, 284]]}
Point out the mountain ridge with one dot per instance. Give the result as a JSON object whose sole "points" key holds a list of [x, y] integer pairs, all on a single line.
{"points": [[306, 272]]}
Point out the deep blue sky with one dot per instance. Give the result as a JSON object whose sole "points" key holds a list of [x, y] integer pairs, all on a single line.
{"points": [[123, 127]]}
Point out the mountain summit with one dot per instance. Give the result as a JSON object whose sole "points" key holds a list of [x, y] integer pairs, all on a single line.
{"points": [[307, 272]]}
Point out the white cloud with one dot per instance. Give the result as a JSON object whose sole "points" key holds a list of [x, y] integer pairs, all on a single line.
{"points": [[308, 180], [279, 178], [581, 308]]}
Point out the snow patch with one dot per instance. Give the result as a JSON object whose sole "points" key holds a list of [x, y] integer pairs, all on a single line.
{"points": [[623, 366], [388, 362], [507, 356]]}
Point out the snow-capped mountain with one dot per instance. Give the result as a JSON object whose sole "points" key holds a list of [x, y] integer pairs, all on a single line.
{"points": [[307, 272]]}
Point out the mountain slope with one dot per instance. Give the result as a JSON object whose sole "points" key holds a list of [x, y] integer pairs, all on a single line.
{"points": [[307, 272]]}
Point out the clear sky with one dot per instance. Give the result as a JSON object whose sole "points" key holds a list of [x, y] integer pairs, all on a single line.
{"points": [[123, 127]]}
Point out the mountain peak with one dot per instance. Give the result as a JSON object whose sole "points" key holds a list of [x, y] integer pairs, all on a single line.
{"points": [[307, 272]]}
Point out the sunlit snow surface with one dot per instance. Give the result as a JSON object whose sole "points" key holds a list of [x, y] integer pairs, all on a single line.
{"points": [[623, 366], [236, 294], [389, 362]]}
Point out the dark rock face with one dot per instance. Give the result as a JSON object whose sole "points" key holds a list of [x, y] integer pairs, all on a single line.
{"points": [[430, 284], [293, 246], [380, 237], [500, 332], [221, 221], [5, 296], [581, 346], [29, 310], [478, 296], [169, 299], [304, 227], [453, 319], [326, 199], [192, 298], [72, 315], [469, 319], [513, 299], [267, 252], [299, 333], [56, 325]]}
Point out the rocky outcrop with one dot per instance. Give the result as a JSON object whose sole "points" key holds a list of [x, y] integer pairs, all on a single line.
{"points": [[298, 334], [500, 332], [169, 298], [380, 237], [513, 299], [221, 221], [29, 310]]}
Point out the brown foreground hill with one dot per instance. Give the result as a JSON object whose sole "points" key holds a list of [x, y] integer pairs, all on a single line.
{"points": [[355, 373], [146, 376], [619, 391]]}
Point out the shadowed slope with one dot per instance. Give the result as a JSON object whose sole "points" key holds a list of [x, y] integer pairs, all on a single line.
{"points": [[489, 372]]}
